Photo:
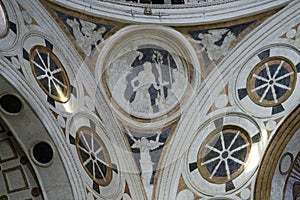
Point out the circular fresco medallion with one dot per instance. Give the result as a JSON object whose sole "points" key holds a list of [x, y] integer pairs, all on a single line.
{"points": [[94, 156], [148, 81], [272, 81], [147, 72], [49, 73], [224, 154]]}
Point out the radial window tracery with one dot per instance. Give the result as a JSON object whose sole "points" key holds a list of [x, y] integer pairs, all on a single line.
{"points": [[94, 156], [50, 74], [272, 81], [223, 156]]}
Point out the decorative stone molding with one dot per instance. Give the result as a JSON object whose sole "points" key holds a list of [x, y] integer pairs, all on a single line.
{"points": [[226, 72], [28, 130], [174, 14], [96, 157], [224, 155], [281, 163]]}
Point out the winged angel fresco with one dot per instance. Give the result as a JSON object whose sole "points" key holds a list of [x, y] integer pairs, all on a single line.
{"points": [[86, 34]]}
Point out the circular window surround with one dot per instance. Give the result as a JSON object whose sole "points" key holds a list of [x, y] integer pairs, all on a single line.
{"points": [[18, 98], [82, 132], [39, 39], [163, 37], [259, 68], [211, 139], [255, 134], [63, 94], [113, 188], [32, 155], [280, 51]]}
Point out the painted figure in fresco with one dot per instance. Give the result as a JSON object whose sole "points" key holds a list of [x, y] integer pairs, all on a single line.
{"points": [[151, 77], [145, 146], [145, 83], [216, 42], [85, 34]]}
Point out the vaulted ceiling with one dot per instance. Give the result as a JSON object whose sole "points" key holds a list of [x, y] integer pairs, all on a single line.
{"points": [[123, 100]]}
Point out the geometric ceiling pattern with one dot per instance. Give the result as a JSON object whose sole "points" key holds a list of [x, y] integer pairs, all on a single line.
{"points": [[117, 100], [17, 176]]}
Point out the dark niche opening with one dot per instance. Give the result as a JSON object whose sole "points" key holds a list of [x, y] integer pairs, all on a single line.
{"points": [[11, 104], [43, 152]]}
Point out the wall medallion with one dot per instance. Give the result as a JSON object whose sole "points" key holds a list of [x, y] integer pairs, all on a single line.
{"points": [[49, 72], [224, 155], [96, 158], [93, 156], [272, 81], [145, 75], [268, 81]]}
